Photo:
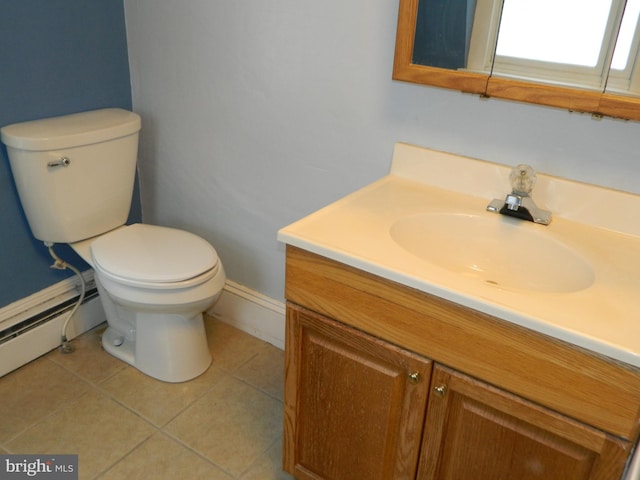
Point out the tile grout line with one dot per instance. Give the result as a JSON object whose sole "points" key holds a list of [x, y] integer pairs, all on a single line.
{"points": [[55, 411], [196, 452], [127, 454], [97, 387]]}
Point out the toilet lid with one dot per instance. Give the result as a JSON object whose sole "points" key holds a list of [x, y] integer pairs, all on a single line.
{"points": [[153, 254]]}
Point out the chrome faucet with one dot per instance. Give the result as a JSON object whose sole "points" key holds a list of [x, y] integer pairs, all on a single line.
{"points": [[519, 203]]}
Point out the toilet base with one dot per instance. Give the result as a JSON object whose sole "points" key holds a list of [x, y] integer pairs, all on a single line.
{"points": [[113, 344], [167, 347]]}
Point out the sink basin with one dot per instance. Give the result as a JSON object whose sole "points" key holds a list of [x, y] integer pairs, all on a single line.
{"points": [[498, 251]]}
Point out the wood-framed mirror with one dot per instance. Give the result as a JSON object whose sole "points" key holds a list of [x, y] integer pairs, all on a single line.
{"points": [[441, 71]]}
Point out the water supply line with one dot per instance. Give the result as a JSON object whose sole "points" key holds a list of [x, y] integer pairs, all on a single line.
{"points": [[60, 264]]}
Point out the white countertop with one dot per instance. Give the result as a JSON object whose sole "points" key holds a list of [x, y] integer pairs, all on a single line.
{"points": [[601, 225]]}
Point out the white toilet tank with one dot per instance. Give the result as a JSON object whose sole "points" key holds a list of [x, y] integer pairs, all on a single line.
{"points": [[74, 173]]}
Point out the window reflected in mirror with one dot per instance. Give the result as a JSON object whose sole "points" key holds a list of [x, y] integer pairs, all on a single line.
{"points": [[572, 35], [565, 42], [623, 76], [563, 53]]}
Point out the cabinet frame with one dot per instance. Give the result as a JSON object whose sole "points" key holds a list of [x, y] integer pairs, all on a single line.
{"points": [[590, 388]]}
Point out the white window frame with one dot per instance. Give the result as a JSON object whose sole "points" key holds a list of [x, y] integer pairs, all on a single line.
{"points": [[627, 80], [484, 35], [482, 57]]}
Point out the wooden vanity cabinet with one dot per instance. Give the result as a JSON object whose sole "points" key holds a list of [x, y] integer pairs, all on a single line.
{"points": [[356, 405], [368, 395], [474, 430]]}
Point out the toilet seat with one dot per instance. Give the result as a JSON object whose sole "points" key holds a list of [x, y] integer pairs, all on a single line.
{"points": [[157, 257]]}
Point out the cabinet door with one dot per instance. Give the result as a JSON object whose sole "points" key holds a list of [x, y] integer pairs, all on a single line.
{"points": [[354, 405], [475, 431]]}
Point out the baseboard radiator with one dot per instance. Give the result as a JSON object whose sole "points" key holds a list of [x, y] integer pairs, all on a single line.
{"points": [[32, 326]]}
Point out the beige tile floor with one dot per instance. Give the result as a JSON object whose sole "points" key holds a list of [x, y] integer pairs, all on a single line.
{"points": [[225, 424]]}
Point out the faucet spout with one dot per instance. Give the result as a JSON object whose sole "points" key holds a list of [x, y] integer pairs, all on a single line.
{"points": [[519, 203], [513, 201]]}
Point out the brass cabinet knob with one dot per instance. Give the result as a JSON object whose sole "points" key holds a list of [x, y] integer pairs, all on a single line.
{"points": [[414, 377], [440, 390]]}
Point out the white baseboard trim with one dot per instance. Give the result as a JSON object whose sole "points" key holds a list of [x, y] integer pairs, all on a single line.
{"points": [[43, 338], [44, 299], [252, 312], [32, 344], [238, 306]]}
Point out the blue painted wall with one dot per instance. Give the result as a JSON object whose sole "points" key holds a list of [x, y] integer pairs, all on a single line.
{"points": [[56, 57]]}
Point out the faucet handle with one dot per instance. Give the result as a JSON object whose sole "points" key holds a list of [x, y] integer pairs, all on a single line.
{"points": [[523, 178]]}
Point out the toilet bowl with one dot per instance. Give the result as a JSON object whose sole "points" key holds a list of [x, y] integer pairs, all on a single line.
{"points": [[75, 175], [154, 283]]}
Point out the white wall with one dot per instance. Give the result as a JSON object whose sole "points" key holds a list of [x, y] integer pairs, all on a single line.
{"points": [[256, 113]]}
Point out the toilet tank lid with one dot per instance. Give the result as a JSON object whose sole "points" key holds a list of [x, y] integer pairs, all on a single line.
{"points": [[72, 130], [153, 254]]}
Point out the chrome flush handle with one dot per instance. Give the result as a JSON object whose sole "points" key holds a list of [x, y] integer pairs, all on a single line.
{"points": [[62, 162]]}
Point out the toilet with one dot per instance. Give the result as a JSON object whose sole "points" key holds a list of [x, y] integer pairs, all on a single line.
{"points": [[75, 176]]}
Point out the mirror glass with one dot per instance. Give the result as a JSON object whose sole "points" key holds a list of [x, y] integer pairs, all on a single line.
{"points": [[509, 48], [623, 77], [566, 42], [444, 32]]}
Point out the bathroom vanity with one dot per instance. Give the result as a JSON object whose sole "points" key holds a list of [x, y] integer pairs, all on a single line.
{"points": [[402, 364]]}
